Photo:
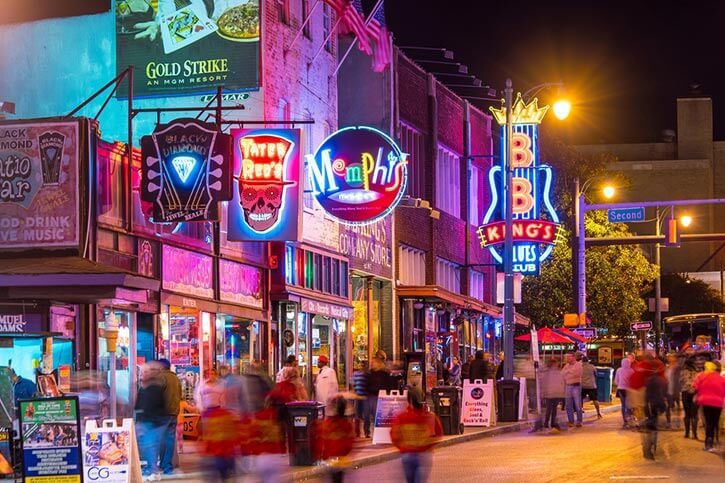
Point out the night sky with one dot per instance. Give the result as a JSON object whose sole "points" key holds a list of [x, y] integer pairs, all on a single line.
{"points": [[623, 63]]}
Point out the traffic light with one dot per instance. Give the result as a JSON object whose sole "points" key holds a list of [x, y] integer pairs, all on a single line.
{"points": [[672, 233]]}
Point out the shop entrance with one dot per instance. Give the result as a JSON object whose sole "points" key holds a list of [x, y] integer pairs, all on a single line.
{"points": [[239, 342]]}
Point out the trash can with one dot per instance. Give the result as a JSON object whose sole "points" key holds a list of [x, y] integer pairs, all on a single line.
{"points": [[508, 400], [447, 406], [604, 384], [301, 419]]}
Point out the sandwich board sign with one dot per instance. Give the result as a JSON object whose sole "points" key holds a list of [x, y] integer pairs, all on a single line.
{"points": [[111, 452], [477, 403], [389, 406]]}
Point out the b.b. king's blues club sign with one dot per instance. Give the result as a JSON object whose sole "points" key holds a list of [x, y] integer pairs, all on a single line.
{"points": [[535, 222]]}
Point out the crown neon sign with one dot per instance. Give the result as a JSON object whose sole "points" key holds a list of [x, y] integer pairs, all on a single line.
{"points": [[535, 227]]}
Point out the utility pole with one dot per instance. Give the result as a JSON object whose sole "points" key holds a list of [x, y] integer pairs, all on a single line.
{"points": [[508, 288]]}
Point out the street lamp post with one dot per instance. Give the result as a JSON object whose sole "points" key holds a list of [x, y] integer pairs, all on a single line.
{"points": [[508, 288], [658, 288]]}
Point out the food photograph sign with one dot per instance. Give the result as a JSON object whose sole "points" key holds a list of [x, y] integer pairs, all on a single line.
{"points": [[39, 185], [266, 189], [188, 46]]}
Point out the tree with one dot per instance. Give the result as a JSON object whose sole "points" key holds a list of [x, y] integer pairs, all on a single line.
{"points": [[689, 296], [617, 275]]}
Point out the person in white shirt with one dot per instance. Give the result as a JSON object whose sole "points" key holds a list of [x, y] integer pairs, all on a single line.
{"points": [[326, 386]]}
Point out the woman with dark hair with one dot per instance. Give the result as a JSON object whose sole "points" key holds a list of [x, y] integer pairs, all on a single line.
{"points": [[687, 378]]}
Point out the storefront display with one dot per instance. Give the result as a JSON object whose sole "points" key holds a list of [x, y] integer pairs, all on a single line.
{"points": [[239, 342]]}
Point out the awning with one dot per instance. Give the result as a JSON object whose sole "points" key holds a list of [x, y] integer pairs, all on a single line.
{"points": [[71, 279], [439, 294]]}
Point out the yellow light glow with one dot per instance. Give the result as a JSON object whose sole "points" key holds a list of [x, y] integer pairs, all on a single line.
{"points": [[686, 220], [608, 191], [562, 108]]}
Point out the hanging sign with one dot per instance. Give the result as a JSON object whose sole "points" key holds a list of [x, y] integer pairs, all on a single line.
{"points": [[477, 403], [39, 196], [110, 452], [358, 175], [185, 171], [265, 203], [51, 440], [535, 227]]}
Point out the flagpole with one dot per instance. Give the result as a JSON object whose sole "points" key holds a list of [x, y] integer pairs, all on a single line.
{"points": [[349, 49], [302, 28], [327, 39]]}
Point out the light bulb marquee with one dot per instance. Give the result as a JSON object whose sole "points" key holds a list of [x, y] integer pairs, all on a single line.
{"points": [[535, 222]]}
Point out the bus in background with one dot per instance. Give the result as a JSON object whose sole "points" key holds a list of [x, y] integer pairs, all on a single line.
{"points": [[703, 332]]}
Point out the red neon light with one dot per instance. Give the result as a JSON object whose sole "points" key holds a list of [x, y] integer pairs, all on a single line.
{"points": [[537, 231]]}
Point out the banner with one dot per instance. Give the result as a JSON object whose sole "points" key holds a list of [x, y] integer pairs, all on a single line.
{"points": [[389, 406], [266, 189], [110, 453], [477, 403], [39, 185], [185, 171], [51, 446], [185, 47]]}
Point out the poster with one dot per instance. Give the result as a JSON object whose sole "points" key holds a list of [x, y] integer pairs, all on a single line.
{"points": [[110, 452], [6, 461], [266, 186], [477, 403], [389, 406], [51, 440], [39, 185], [188, 46]]}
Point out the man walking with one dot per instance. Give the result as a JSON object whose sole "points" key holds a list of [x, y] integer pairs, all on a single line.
{"points": [[326, 386], [172, 399], [589, 384], [572, 372]]}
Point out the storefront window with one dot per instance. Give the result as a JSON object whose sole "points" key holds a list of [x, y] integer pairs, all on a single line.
{"points": [[239, 342], [179, 328], [329, 338], [360, 321], [303, 359], [125, 358]]}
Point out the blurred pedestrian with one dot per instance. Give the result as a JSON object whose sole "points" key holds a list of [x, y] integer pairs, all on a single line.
{"points": [[710, 389], [291, 361], [621, 380], [360, 387], [466, 368], [589, 384], [499, 369], [553, 391], [151, 420], [688, 374], [326, 386], [572, 372], [454, 373], [210, 392], [379, 379], [672, 374], [655, 401], [414, 432], [336, 435], [172, 399], [479, 368]]}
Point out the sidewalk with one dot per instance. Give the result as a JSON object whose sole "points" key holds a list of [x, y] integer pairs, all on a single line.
{"points": [[365, 453]]}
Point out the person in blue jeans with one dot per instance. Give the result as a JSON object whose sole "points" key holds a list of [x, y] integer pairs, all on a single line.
{"points": [[172, 399], [151, 419], [572, 372]]}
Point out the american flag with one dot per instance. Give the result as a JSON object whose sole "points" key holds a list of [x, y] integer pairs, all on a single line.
{"points": [[353, 21], [380, 37]]}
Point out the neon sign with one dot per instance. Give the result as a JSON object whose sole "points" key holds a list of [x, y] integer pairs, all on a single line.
{"points": [[535, 226], [358, 175], [266, 193], [185, 171]]}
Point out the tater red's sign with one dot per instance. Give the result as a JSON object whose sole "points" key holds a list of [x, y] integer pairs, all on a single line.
{"points": [[358, 175], [266, 191]]}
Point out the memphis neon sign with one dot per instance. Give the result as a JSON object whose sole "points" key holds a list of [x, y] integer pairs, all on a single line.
{"points": [[535, 227], [358, 175]]}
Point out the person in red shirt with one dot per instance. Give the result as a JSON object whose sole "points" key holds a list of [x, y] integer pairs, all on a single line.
{"points": [[336, 436], [710, 394], [414, 432]]}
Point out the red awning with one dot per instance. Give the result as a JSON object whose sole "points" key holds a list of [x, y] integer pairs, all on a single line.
{"points": [[547, 336]]}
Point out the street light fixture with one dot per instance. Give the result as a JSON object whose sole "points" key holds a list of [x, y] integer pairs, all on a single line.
{"points": [[608, 192], [686, 220], [562, 108]]}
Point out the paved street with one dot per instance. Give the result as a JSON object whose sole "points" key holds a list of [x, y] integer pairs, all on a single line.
{"points": [[599, 451]]}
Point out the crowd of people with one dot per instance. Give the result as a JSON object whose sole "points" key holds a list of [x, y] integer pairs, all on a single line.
{"points": [[688, 382]]}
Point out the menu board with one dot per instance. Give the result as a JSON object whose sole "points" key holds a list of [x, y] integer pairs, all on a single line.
{"points": [[50, 441], [110, 452]]}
